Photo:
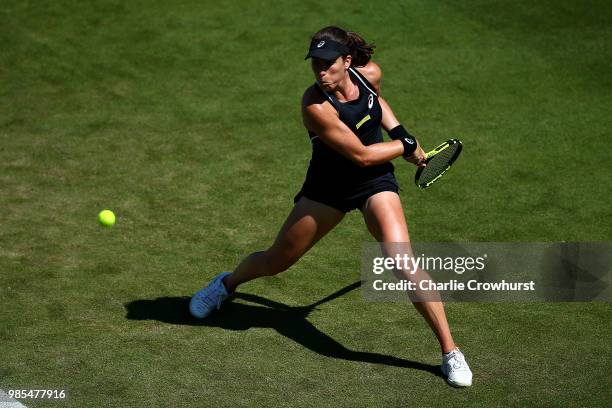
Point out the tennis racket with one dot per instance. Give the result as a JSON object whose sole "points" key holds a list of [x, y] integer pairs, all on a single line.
{"points": [[438, 161]]}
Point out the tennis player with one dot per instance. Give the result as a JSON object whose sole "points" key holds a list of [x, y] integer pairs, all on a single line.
{"points": [[350, 169]]}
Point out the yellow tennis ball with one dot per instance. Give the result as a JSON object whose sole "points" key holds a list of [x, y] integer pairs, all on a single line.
{"points": [[106, 218]]}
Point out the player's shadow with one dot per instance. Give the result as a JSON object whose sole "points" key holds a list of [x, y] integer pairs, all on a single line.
{"points": [[287, 320]]}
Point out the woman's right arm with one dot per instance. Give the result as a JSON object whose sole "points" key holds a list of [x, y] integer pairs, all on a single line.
{"points": [[320, 118]]}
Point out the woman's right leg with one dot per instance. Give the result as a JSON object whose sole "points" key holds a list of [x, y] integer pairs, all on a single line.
{"points": [[308, 222]]}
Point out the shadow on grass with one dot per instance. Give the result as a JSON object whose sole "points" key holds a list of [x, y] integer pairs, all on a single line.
{"points": [[289, 321]]}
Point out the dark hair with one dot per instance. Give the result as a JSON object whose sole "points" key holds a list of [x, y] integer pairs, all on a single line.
{"points": [[359, 49]]}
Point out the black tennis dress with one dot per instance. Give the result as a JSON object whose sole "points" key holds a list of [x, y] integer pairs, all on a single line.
{"points": [[334, 180]]}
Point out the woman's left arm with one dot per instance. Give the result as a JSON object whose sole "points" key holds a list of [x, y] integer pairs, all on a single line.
{"points": [[389, 121], [373, 74]]}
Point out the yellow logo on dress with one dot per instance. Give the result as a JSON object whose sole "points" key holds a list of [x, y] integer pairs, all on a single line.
{"points": [[362, 121]]}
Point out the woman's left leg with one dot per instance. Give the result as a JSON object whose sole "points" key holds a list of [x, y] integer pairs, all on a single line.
{"points": [[385, 220]]}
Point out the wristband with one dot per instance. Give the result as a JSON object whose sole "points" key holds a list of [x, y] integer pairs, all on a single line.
{"points": [[401, 134]]}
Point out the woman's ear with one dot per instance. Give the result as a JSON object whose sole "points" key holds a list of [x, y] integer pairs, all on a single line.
{"points": [[347, 61]]}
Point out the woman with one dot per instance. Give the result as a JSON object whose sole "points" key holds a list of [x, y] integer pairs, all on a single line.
{"points": [[350, 169]]}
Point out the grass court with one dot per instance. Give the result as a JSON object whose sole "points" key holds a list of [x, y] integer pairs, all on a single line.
{"points": [[184, 118]]}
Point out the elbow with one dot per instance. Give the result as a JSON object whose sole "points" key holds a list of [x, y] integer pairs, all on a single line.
{"points": [[363, 160]]}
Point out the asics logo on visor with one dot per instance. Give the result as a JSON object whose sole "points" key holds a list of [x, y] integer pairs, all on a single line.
{"points": [[320, 44]]}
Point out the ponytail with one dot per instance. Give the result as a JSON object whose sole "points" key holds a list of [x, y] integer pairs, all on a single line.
{"points": [[360, 50]]}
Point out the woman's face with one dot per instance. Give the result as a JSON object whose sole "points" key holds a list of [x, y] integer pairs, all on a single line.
{"points": [[329, 73]]}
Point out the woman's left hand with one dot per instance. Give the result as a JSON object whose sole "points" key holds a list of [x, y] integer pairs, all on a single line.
{"points": [[418, 157]]}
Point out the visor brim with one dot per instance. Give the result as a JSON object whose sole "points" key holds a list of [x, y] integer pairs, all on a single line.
{"points": [[324, 54]]}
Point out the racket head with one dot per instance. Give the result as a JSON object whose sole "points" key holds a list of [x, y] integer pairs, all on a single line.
{"points": [[438, 161]]}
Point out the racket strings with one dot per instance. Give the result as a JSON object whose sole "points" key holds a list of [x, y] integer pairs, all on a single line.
{"points": [[438, 164]]}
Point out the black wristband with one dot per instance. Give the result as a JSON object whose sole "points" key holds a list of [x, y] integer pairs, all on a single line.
{"points": [[401, 134]]}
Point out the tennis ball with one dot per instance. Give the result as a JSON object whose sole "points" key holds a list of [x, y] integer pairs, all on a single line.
{"points": [[106, 218]]}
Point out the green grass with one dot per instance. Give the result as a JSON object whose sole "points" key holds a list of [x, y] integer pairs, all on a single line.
{"points": [[183, 117]]}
